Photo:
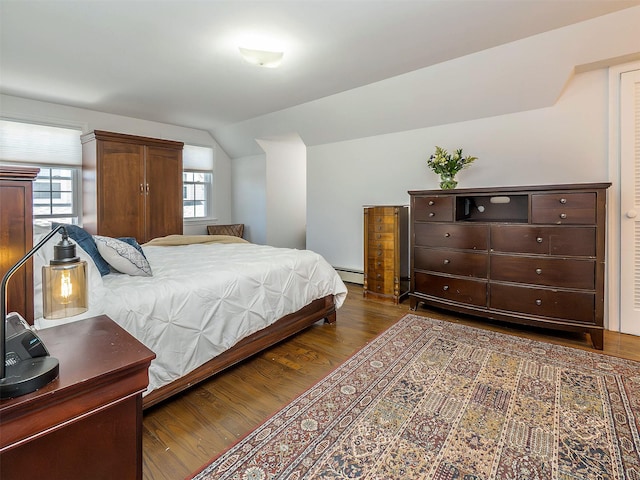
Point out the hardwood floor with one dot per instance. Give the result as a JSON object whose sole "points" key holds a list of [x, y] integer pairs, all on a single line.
{"points": [[184, 433]]}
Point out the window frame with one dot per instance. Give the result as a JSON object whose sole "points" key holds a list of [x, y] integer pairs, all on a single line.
{"points": [[76, 194], [208, 196]]}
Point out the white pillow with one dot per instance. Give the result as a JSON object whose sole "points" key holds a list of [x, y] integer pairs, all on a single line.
{"points": [[122, 256]]}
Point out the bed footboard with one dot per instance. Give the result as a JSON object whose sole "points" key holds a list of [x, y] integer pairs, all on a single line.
{"points": [[322, 308]]}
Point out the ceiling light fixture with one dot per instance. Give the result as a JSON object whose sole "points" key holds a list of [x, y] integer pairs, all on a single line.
{"points": [[262, 58]]}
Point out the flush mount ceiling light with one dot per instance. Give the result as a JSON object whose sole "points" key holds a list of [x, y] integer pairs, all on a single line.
{"points": [[262, 58]]}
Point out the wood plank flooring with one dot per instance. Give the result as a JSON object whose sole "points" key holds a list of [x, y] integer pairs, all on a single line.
{"points": [[184, 433]]}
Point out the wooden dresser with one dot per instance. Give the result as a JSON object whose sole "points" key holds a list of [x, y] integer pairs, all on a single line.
{"points": [[16, 235], [531, 255], [132, 186], [386, 260]]}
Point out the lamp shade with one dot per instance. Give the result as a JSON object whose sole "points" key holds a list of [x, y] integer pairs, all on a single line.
{"points": [[64, 282], [64, 290]]}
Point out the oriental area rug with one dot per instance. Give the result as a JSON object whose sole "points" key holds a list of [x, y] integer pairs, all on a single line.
{"points": [[429, 399]]}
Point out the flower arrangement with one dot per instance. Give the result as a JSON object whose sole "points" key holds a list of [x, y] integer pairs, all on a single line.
{"points": [[447, 165]]}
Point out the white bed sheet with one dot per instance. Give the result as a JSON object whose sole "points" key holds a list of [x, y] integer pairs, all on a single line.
{"points": [[204, 298]]}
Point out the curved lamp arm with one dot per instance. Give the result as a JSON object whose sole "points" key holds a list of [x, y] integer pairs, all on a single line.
{"points": [[3, 293]]}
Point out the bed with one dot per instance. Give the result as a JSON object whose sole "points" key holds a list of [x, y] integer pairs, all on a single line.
{"points": [[210, 302]]}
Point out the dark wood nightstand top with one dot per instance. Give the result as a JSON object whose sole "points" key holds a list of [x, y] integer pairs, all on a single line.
{"points": [[100, 363]]}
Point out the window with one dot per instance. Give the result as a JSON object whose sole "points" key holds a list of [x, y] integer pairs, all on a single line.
{"points": [[197, 182], [57, 151], [54, 195], [195, 194]]}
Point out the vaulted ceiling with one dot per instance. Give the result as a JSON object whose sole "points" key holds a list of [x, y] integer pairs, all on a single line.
{"points": [[177, 61]]}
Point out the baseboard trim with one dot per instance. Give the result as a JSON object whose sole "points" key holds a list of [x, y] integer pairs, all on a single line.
{"points": [[349, 275]]}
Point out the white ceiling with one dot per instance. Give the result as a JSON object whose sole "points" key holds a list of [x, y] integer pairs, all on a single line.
{"points": [[177, 61]]}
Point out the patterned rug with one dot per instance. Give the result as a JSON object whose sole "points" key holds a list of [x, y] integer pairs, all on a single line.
{"points": [[436, 400]]}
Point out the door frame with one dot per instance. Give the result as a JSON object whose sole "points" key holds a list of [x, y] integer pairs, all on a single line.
{"points": [[612, 307]]}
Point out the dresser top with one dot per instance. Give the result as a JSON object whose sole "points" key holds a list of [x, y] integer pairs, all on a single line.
{"points": [[511, 189]]}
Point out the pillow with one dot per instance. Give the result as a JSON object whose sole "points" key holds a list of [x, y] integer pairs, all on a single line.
{"points": [[122, 256], [133, 242], [86, 242]]}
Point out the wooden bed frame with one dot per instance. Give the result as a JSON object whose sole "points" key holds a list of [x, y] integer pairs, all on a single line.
{"points": [[10, 177], [322, 308]]}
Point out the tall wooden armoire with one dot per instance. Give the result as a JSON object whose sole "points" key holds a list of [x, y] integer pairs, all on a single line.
{"points": [[132, 186]]}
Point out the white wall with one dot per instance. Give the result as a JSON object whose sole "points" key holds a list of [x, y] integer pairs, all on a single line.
{"points": [[15, 108], [249, 196], [565, 143], [286, 201], [270, 193]]}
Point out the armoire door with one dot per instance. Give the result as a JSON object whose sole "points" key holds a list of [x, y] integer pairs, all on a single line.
{"points": [[630, 202], [121, 189], [163, 192]]}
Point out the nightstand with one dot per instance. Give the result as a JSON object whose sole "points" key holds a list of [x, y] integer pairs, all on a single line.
{"points": [[88, 422]]}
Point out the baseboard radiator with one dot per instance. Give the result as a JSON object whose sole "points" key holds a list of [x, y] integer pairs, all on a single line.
{"points": [[350, 275]]}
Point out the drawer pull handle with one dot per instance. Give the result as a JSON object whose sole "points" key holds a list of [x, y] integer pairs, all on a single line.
{"points": [[447, 261], [379, 219], [447, 235], [379, 245], [563, 201], [445, 288], [539, 239], [538, 302], [431, 214], [378, 236], [538, 271], [431, 202], [379, 287], [379, 253], [378, 276], [563, 215]]}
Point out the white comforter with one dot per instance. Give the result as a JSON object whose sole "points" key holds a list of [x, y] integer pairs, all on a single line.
{"points": [[204, 298]]}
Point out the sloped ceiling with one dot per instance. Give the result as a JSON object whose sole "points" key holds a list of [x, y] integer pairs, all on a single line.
{"points": [[351, 68]]}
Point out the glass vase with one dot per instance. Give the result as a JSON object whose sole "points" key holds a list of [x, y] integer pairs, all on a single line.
{"points": [[447, 182]]}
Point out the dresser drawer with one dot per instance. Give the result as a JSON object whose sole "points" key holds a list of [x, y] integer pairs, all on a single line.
{"points": [[381, 259], [381, 280], [472, 292], [571, 241], [472, 264], [381, 225], [544, 302], [555, 272], [383, 241], [563, 208], [433, 208], [468, 237]]}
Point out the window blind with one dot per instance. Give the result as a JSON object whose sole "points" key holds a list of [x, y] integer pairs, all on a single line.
{"points": [[39, 144], [197, 158]]}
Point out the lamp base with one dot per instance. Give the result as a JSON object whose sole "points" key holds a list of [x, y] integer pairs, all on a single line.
{"points": [[28, 376]]}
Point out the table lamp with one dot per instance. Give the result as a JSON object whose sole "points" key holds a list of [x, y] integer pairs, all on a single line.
{"points": [[26, 366]]}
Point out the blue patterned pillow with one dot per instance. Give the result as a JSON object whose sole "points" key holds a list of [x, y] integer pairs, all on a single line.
{"points": [[133, 242], [123, 257], [86, 242]]}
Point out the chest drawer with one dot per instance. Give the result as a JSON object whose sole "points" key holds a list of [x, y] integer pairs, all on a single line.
{"points": [[472, 264], [555, 272], [544, 302], [472, 292], [433, 208], [467, 237], [571, 241], [563, 208], [385, 242]]}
